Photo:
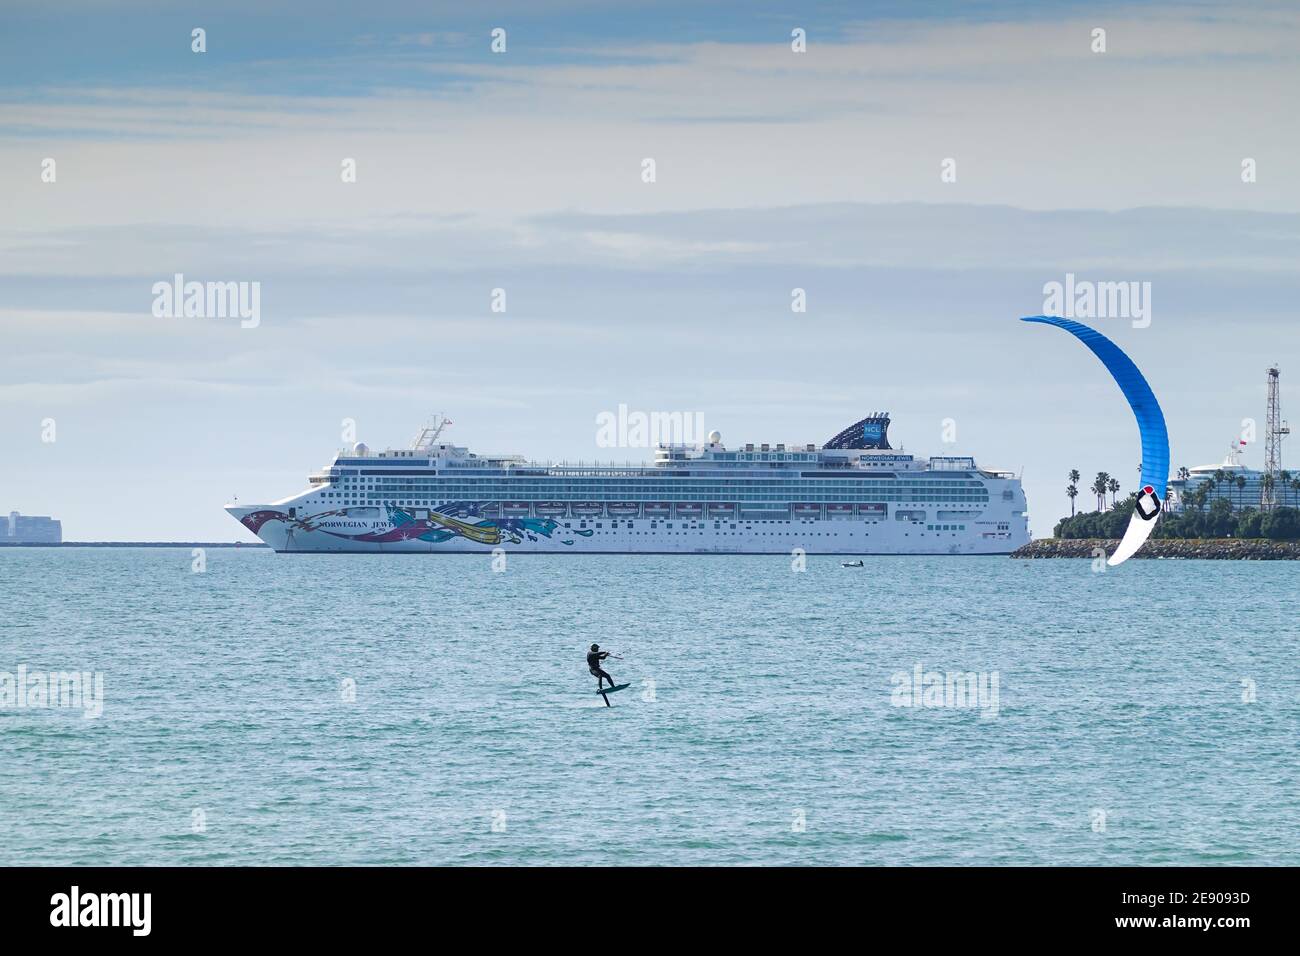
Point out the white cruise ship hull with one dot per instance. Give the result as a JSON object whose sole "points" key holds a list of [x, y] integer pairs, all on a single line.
{"points": [[362, 530]]}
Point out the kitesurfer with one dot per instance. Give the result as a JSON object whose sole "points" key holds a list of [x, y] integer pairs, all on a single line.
{"points": [[594, 657]]}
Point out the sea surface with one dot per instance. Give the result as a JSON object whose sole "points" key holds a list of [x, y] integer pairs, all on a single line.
{"points": [[325, 709]]}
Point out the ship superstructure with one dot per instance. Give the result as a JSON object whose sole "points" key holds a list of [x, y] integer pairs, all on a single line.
{"points": [[853, 495]]}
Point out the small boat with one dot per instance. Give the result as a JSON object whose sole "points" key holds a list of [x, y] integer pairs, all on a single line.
{"points": [[852, 564]]}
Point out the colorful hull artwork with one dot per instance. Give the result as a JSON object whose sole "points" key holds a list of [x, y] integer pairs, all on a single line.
{"points": [[402, 525]]}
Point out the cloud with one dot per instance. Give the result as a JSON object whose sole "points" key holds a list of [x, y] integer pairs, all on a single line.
{"points": [[406, 247], [1027, 111]]}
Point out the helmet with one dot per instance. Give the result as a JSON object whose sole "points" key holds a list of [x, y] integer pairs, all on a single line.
{"points": [[595, 647]]}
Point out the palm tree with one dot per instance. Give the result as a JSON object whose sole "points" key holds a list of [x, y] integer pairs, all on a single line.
{"points": [[1266, 484], [1240, 482], [1113, 487], [1185, 494], [1099, 489], [1072, 490]]}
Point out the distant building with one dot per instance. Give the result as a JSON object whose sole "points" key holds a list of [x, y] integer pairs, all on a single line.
{"points": [[30, 529], [1238, 485]]}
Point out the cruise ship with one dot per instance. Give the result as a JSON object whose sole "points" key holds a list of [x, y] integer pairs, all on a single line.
{"points": [[853, 495]]}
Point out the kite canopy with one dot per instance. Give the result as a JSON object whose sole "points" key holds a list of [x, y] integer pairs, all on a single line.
{"points": [[1150, 419]]}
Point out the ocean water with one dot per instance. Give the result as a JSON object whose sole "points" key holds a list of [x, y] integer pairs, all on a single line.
{"points": [[762, 726]]}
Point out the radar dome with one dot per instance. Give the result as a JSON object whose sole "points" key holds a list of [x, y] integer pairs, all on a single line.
{"points": [[361, 449], [715, 437]]}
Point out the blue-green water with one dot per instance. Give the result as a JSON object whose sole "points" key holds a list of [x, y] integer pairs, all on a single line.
{"points": [[767, 736]]}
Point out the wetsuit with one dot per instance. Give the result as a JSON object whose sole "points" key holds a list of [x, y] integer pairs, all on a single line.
{"points": [[593, 664]]}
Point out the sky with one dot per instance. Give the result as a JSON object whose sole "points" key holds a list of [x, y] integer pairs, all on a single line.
{"points": [[826, 170]]}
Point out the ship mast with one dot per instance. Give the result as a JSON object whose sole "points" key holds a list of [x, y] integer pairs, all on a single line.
{"points": [[429, 433]]}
